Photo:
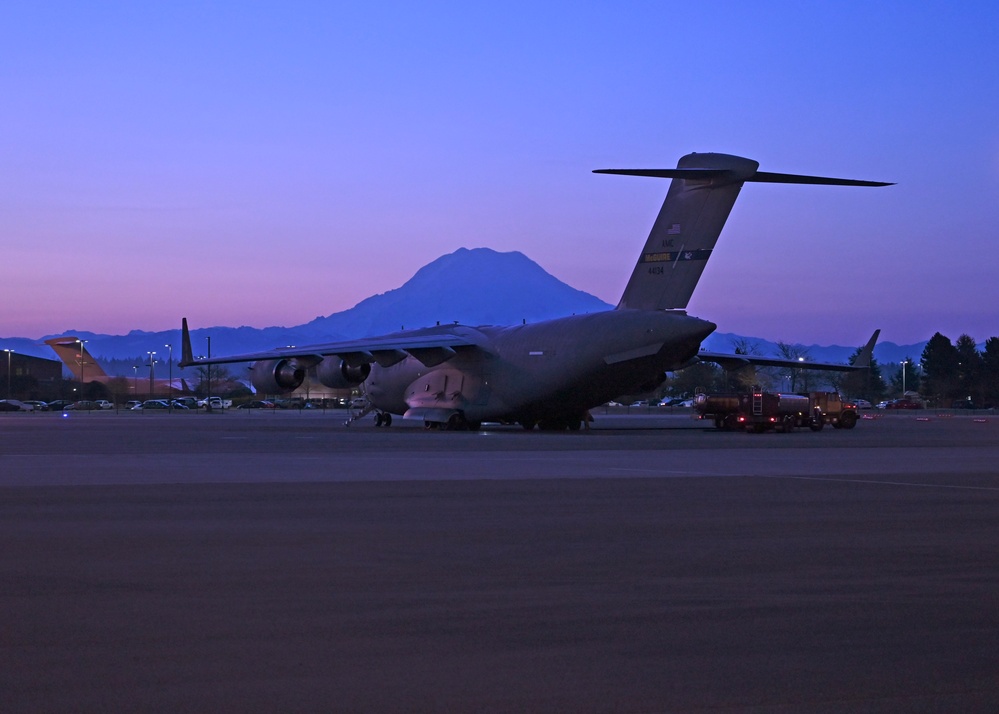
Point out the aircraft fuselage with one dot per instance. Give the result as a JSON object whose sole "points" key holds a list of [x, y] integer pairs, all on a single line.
{"points": [[548, 372]]}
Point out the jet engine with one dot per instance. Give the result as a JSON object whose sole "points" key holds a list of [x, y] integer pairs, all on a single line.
{"points": [[337, 374], [277, 376]]}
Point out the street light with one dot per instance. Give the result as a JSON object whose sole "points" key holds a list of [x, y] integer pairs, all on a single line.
{"points": [[903, 363], [152, 371], [82, 381], [170, 362], [135, 380], [208, 401], [8, 372]]}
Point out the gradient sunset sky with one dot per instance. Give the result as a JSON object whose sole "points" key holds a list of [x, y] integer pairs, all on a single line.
{"points": [[262, 163]]}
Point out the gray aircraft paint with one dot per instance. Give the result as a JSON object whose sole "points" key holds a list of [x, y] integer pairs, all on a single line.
{"points": [[549, 373]]}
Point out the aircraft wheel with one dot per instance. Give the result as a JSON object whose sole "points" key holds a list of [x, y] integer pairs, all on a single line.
{"points": [[386, 419], [378, 419], [454, 423], [474, 425]]}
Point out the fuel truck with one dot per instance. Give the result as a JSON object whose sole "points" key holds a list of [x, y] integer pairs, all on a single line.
{"points": [[760, 411]]}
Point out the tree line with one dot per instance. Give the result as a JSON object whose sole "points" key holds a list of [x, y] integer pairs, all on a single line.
{"points": [[946, 375]]}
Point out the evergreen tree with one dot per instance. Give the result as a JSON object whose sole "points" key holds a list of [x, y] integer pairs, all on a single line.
{"points": [[862, 383], [940, 362], [990, 373], [969, 371]]}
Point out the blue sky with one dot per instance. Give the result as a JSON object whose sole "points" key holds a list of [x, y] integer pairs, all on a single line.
{"points": [[264, 163]]}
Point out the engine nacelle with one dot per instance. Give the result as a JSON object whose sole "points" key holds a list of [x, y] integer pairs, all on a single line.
{"points": [[337, 374], [277, 376]]}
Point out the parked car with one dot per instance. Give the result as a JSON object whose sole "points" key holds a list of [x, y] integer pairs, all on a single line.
{"points": [[152, 404], [58, 405], [13, 405], [132, 403], [258, 404], [104, 404], [177, 404], [861, 403], [83, 405], [904, 404], [38, 405], [189, 402]]}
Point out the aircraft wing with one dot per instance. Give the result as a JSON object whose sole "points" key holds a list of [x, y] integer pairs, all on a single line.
{"points": [[734, 361], [430, 346]]}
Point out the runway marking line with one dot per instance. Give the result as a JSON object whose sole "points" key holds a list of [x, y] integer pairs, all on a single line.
{"points": [[885, 483]]}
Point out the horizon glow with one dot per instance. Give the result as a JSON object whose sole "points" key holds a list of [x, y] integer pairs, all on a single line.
{"points": [[252, 164]]}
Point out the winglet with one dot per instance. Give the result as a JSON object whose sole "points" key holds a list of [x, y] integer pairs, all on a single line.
{"points": [[186, 353], [863, 360]]}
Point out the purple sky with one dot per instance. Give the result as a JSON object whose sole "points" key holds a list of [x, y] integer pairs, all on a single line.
{"points": [[264, 163]]}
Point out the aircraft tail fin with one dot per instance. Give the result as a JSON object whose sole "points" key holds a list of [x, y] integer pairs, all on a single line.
{"points": [[867, 352], [186, 353], [73, 353], [700, 197]]}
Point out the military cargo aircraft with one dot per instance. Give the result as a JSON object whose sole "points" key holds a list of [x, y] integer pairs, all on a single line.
{"points": [[549, 374]]}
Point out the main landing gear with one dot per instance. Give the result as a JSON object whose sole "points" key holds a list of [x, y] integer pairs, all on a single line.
{"points": [[456, 422]]}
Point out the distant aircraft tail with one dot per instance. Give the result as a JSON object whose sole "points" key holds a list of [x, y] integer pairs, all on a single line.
{"points": [[699, 199], [73, 353], [863, 360]]}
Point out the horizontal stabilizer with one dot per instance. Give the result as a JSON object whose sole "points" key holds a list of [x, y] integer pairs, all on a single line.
{"points": [[767, 177], [703, 189], [757, 177]]}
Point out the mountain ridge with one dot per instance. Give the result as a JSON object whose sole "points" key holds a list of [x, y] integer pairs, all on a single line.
{"points": [[477, 286]]}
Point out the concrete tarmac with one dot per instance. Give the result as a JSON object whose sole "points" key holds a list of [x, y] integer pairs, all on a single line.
{"points": [[283, 562]]}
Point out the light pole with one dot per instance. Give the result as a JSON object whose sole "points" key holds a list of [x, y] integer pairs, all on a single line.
{"points": [[208, 401], [82, 381], [135, 380], [152, 371], [8, 372], [904, 362], [170, 363]]}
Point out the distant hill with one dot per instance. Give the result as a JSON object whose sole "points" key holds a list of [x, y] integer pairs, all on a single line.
{"points": [[476, 286], [472, 287]]}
